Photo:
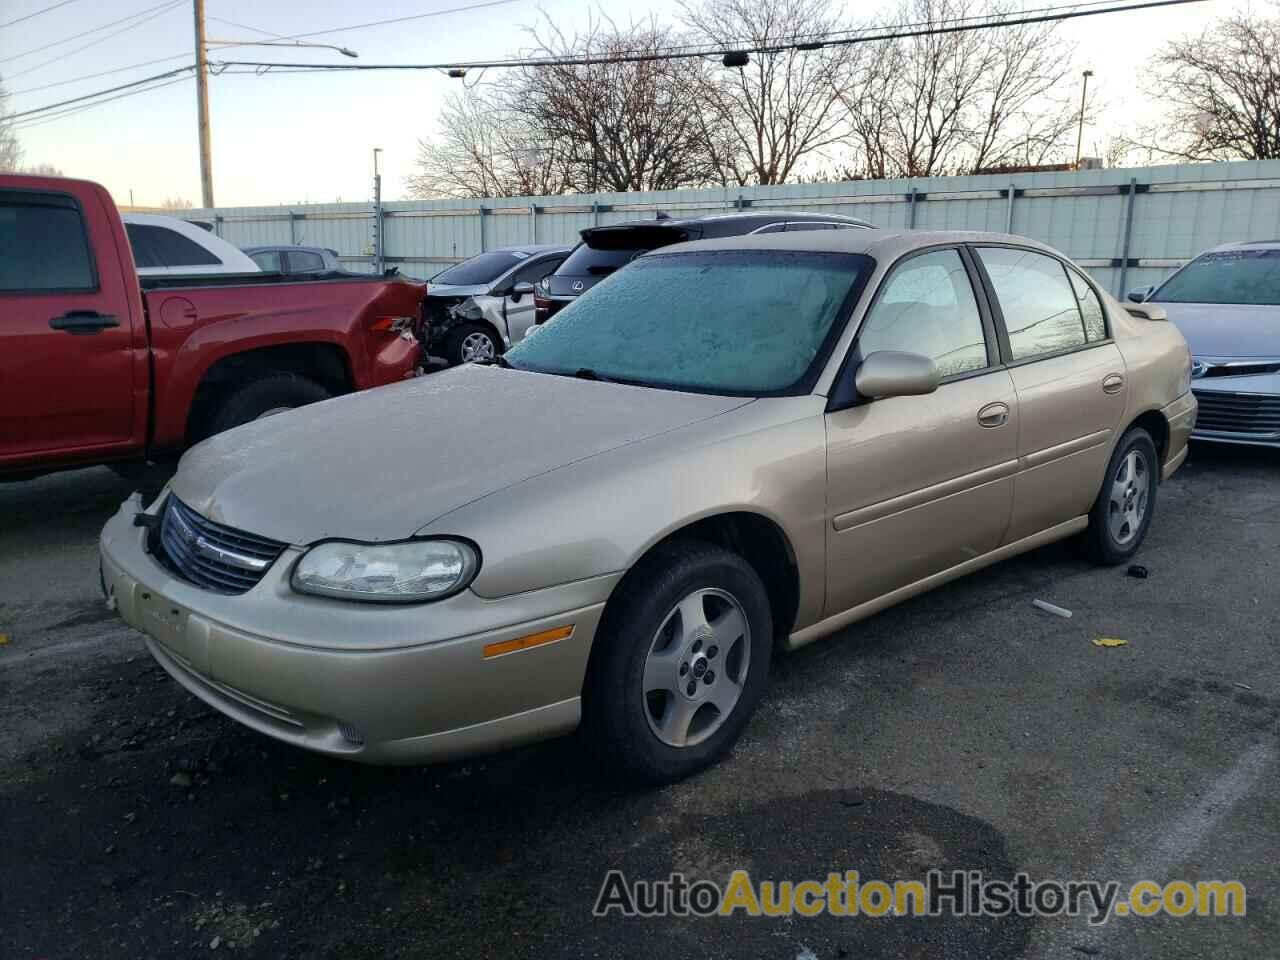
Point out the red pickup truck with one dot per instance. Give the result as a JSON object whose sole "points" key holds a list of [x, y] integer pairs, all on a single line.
{"points": [[96, 367]]}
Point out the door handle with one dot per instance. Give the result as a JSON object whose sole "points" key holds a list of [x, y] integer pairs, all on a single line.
{"points": [[83, 321], [1112, 383], [993, 415]]}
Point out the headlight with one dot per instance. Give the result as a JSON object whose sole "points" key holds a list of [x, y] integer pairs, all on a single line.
{"points": [[409, 572]]}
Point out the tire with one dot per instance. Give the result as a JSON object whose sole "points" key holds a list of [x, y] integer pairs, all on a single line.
{"points": [[259, 398], [470, 342], [644, 642], [1126, 503]]}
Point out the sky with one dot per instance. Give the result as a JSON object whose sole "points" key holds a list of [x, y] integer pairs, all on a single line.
{"points": [[310, 137]]}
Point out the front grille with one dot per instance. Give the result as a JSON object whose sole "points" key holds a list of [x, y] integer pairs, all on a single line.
{"points": [[1238, 412], [211, 555]]}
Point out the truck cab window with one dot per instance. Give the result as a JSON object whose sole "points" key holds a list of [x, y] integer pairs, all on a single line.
{"points": [[43, 246]]}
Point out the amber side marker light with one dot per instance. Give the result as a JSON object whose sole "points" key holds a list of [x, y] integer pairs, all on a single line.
{"points": [[503, 647]]}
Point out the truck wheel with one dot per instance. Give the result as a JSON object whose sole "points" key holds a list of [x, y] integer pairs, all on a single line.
{"points": [[470, 343], [262, 398], [680, 663]]}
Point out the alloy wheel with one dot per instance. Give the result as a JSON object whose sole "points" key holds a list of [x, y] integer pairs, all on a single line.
{"points": [[477, 347], [1127, 501], [696, 667]]}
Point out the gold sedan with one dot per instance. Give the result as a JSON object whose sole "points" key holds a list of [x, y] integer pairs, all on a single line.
{"points": [[727, 449]]}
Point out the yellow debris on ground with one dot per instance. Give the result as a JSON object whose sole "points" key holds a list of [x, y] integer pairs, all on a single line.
{"points": [[1109, 642]]}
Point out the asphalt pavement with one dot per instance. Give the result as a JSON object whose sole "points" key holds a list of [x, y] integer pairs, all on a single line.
{"points": [[965, 729]]}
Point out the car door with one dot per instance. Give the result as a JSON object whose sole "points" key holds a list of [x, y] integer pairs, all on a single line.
{"points": [[919, 484], [519, 314], [1069, 377], [67, 357]]}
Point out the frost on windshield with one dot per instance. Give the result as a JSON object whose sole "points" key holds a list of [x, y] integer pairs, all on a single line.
{"points": [[740, 322]]}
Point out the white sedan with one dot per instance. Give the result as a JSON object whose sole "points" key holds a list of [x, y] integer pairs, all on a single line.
{"points": [[164, 246]]}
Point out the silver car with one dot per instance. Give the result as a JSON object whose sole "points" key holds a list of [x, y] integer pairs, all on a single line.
{"points": [[1226, 302], [478, 308]]}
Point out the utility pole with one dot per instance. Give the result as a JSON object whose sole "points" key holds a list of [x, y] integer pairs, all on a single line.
{"points": [[377, 214], [202, 107], [1084, 94]]}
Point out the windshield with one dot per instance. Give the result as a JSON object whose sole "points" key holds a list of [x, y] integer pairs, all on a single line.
{"points": [[589, 262], [1226, 276], [484, 268], [729, 322]]}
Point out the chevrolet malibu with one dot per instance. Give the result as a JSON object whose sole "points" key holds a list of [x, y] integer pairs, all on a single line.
{"points": [[729, 448]]}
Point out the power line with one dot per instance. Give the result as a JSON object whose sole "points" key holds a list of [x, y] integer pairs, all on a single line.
{"points": [[62, 114], [103, 73], [99, 93], [85, 33], [949, 26], [37, 13], [94, 43], [416, 16]]}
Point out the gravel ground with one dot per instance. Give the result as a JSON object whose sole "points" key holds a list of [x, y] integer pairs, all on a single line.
{"points": [[964, 729]]}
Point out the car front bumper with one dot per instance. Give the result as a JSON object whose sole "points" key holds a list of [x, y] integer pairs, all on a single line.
{"points": [[1242, 410], [368, 682]]}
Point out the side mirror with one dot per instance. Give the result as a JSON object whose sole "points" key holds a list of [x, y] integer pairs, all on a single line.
{"points": [[1140, 294], [891, 373], [521, 290]]}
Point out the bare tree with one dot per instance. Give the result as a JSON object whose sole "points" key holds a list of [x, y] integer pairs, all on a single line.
{"points": [[1223, 91], [947, 102], [782, 107], [627, 120], [487, 148], [10, 148], [175, 203], [43, 170]]}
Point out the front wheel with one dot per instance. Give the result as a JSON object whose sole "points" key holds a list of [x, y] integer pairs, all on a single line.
{"points": [[1122, 513], [682, 660], [471, 343]]}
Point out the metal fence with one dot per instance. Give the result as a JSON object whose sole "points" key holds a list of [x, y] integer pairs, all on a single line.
{"points": [[1128, 227]]}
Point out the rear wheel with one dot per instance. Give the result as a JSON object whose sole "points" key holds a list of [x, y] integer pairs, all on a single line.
{"points": [[1122, 513], [682, 660], [264, 398], [471, 343]]}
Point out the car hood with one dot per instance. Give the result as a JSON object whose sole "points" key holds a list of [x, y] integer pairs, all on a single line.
{"points": [[381, 464], [1227, 329]]}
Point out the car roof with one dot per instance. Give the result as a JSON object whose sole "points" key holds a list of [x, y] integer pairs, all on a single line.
{"points": [[1237, 244], [266, 247], [533, 248], [888, 244], [745, 218]]}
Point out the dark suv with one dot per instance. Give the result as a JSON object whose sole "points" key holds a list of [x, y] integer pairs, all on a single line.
{"points": [[604, 249]]}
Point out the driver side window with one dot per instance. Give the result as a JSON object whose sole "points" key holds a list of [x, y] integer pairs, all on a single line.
{"points": [[927, 306]]}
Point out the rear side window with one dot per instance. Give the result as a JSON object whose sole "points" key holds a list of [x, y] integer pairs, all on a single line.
{"points": [[587, 261], [1095, 321], [268, 261], [927, 306], [43, 245], [536, 271], [1038, 302], [302, 261], [161, 247]]}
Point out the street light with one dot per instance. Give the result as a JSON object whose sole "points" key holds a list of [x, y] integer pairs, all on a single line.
{"points": [[1084, 93], [345, 51]]}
